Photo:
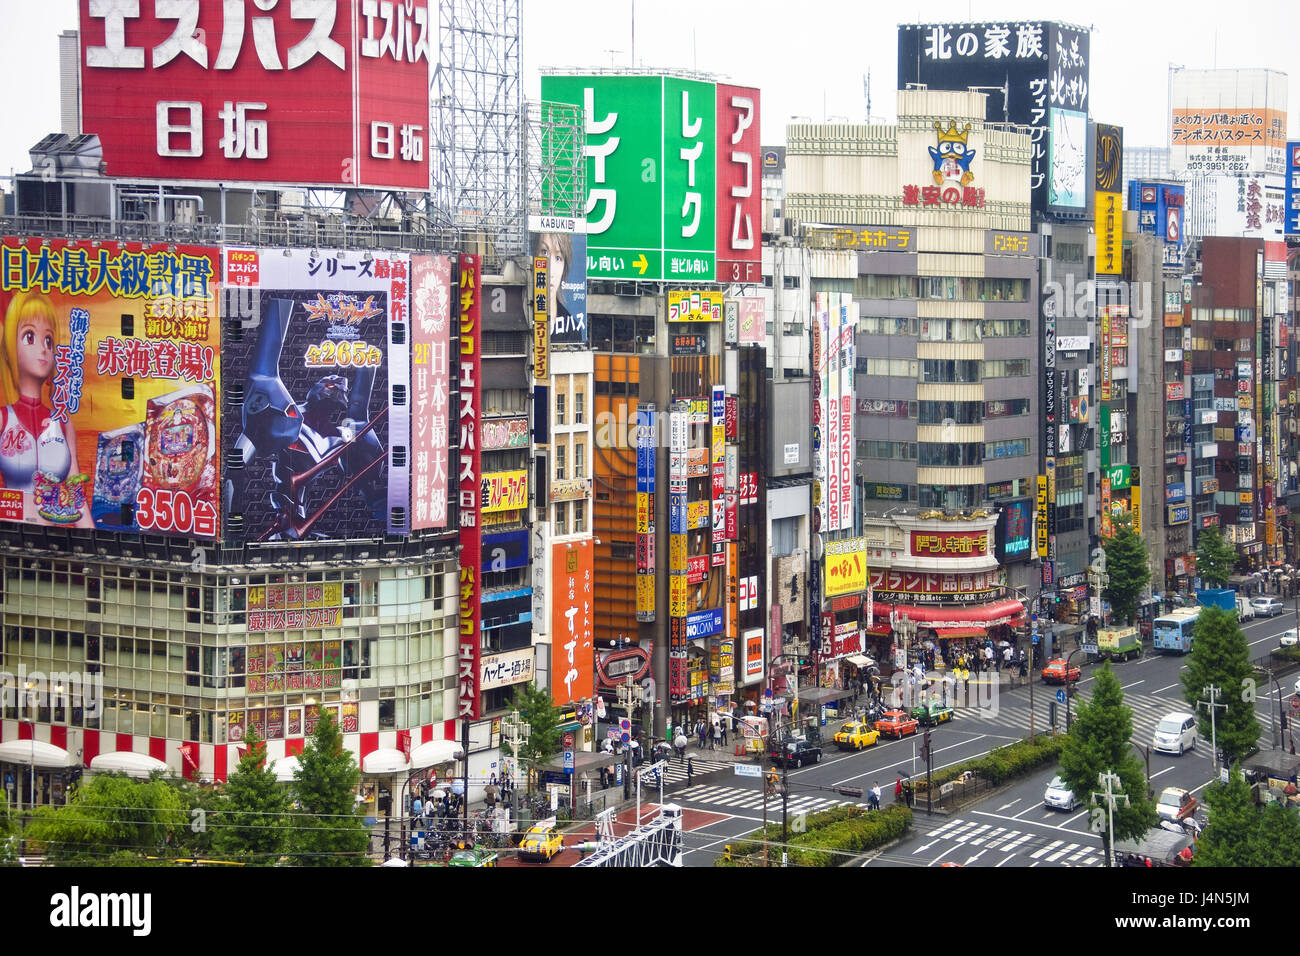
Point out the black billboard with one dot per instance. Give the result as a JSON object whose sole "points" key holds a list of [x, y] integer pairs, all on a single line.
{"points": [[1014, 532], [1035, 74]]}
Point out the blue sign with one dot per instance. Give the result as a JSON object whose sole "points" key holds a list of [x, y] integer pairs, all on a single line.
{"points": [[1179, 514], [504, 551], [568, 761], [1291, 213], [677, 513], [1060, 696], [703, 623], [1175, 493]]}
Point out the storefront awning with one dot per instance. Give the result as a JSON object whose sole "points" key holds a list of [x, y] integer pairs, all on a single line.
{"points": [[861, 660], [876, 630], [384, 762], [435, 752], [996, 612], [127, 762], [956, 632], [284, 769], [35, 753]]}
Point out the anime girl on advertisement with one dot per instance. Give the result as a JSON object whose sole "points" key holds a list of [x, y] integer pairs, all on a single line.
{"points": [[38, 451]]}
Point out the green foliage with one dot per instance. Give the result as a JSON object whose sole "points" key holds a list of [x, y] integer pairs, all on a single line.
{"points": [[1006, 763], [1289, 654], [200, 802], [536, 707], [111, 818], [1221, 657], [1128, 568], [1216, 558], [830, 839], [8, 836], [1098, 743], [328, 831], [253, 823], [1240, 834]]}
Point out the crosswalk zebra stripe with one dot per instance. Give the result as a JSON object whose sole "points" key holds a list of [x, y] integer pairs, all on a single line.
{"points": [[974, 833], [1011, 847], [1060, 853], [1047, 849]]}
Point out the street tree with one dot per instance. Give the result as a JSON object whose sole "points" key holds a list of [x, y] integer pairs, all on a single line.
{"points": [[1221, 657], [1240, 834], [536, 707], [1128, 568], [327, 829], [111, 818], [1216, 558], [253, 819], [1099, 743], [200, 801]]}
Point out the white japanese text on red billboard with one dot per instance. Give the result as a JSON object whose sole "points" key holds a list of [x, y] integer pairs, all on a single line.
{"points": [[430, 341], [109, 370], [331, 92]]}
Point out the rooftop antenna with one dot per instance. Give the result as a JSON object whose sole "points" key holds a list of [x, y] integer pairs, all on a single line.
{"points": [[634, 34], [866, 88]]}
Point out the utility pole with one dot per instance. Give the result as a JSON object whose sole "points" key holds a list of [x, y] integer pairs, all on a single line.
{"points": [[927, 753], [785, 808], [1211, 701], [769, 788], [516, 731], [1033, 643], [1109, 781]]}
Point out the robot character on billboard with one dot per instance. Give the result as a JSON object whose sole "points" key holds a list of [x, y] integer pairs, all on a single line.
{"points": [[303, 440]]}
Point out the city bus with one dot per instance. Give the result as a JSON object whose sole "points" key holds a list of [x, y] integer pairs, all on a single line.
{"points": [[1173, 632]]}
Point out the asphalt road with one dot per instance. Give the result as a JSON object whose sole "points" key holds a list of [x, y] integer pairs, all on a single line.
{"points": [[1012, 828]]}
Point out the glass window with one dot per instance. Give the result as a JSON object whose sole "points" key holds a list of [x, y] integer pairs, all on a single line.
{"points": [[579, 459], [562, 518], [560, 400], [579, 517], [561, 459]]}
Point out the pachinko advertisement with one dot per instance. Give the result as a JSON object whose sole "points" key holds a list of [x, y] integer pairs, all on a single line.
{"points": [[109, 369], [316, 395]]}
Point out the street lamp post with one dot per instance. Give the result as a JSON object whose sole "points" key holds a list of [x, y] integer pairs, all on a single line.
{"points": [[1211, 702], [1144, 751], [1069, 689], [1110, 781]]}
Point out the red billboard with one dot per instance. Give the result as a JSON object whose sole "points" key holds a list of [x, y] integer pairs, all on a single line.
{"points": [[572, 614], [430, 376], [327, 92], [471, 540], [110, 364], [740, 195]]}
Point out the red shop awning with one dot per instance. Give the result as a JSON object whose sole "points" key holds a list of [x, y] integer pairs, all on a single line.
{"points": [[876, 630], [952, 632], [996, 612]]}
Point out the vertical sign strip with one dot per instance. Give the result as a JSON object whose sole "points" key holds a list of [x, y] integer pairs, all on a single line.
{"points": [[468, 483]]}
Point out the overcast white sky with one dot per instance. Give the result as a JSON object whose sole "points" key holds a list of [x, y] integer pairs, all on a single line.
{"points": [[808, 57]]}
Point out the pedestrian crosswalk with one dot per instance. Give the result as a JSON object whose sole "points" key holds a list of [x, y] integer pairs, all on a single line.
{"points": [[736, 798], [1148, 710], [675, 770], [1010, 841]]}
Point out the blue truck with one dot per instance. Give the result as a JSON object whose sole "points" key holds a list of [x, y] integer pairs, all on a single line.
{"points": [[1225, 598]]}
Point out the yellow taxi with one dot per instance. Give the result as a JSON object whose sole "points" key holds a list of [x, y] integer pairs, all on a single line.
{"points": [[542, 841], [855, 735]]}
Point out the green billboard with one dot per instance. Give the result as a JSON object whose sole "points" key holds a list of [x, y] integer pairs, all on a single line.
{"points": [[653, 174]]}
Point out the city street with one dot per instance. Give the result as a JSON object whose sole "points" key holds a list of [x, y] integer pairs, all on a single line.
{"points": [[1011, 828]]}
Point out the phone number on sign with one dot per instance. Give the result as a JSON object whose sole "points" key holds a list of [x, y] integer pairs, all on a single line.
{"points": [[174, 511], [336, 354]]}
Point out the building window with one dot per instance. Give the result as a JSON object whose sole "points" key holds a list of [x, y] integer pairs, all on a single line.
{"points": [[561, 469], [579, 459], [561, 524], [579, 517], [560, 400], [579, 403]]}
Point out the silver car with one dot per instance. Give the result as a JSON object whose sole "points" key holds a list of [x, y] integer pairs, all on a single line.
{"points": [[1267, 606], [1059, 796]]}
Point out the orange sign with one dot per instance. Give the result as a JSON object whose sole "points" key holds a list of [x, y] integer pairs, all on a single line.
{"points": [[572, 614]]}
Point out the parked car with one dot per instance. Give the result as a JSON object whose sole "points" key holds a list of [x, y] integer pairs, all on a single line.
{"points": [[932, 714], [1175, 804], [896, 723], [797, 751], [1176, 733], [1297, 685], [1059, 796], [1267, 606], [855, 735], [542, 841], [1056, 672], [1290, 637], [473, 856]]}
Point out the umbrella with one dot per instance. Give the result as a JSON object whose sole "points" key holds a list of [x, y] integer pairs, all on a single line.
{"points": [[1004, 643]]}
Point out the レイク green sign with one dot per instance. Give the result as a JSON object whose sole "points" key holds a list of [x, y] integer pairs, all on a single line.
{"points": [[1119, 477], [653, 148]]}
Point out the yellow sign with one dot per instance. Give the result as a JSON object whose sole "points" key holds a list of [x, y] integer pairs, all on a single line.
{"points": [[1110, 233], [846, 566], [694, 305], [677, 595], [504, 491], [645, 593], [677, 552], [1041, 531], [719, 443], [541, 321], [698, 514], [1135, 494], [642, 512]]}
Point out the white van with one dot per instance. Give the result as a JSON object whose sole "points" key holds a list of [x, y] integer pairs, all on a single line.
{"points": [[1175, 734], [1244, 610]]}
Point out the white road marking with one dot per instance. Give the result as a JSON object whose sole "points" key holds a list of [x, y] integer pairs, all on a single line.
{"points": [[1007, 859], [1011, 804], [1047, 849], [974, 858], [1060, 853]]}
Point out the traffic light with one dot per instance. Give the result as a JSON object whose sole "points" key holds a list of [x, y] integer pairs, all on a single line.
{"points": [[726, 853], [925, 747]]}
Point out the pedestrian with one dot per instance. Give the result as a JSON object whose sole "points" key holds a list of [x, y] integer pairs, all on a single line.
{"points": [[417, 807], [490, 796], [690, 769], [724, 734], [700, 732], [875, 796], [898, 789], [717, 736], [680, 743]]}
